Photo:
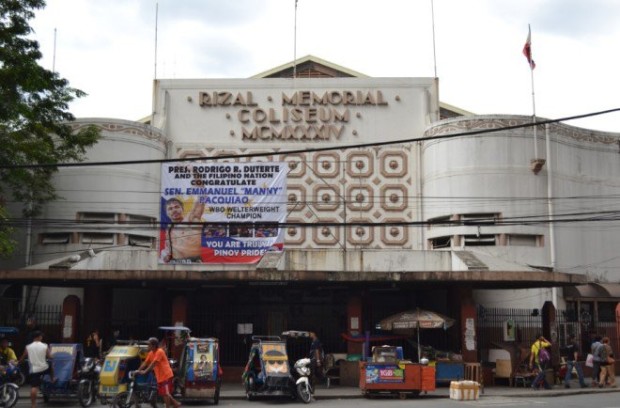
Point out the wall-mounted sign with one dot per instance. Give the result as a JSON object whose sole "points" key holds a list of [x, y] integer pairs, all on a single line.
{"points": [[509, 330], [221, 212]]}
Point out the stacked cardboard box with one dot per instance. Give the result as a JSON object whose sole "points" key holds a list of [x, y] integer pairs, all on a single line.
{"points": [[464, 390]]}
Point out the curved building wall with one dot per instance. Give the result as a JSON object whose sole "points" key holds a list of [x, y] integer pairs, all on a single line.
{"points": [[123, 198], [476, 178]]}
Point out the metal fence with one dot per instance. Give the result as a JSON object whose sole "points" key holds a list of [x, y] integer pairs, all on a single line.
{"points": [[46, 318], [491, 330], [495, 325]]}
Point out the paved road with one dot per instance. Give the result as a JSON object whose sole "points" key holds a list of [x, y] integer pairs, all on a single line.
{"points": [[558, 397]]}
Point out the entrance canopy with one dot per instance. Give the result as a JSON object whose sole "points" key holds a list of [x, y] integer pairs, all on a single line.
{"points": [[593, 291]]}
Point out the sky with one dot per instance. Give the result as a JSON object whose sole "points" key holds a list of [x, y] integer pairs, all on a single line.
{"points": [[108, 48]]}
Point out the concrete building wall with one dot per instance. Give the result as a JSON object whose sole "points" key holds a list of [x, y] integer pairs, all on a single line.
{"points": [[96, 196], [490, 174]]}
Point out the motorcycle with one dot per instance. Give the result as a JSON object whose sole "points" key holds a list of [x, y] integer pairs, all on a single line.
{"points": [[15, 374], [141, 389], [9, 392], [89, 381], [11, 369], [301, 375]]}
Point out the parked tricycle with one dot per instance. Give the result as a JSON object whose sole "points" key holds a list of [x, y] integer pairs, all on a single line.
{"points": [[9, 388], [198, 374], [8, 366], [267, 372], [119, 362], [72, 375]]}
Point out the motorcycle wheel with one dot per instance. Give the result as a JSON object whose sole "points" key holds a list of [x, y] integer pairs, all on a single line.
{"points": [[8, 396], [303, 391], [124, 400], [85, 393], [19, 379], [153, 400]]}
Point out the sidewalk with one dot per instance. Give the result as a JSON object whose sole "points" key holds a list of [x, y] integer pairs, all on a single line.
{"points": [[236, 391]]}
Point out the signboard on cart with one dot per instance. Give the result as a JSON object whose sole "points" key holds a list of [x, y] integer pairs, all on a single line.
{"points": [[384, 373], [221, 212]]}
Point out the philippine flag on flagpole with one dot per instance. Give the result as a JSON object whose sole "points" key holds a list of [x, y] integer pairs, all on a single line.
{"points": [[527, 48]]}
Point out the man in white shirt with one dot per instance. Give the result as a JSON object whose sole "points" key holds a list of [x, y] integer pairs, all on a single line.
{"points": [[38, 353]]}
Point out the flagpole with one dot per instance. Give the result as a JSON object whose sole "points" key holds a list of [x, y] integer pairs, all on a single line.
{"points": [[295, 47], [155, 49], [533, 98], [433, 24]]}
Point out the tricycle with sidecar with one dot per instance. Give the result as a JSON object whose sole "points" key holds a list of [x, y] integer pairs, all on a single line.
{"points": [[9, 389], [198, 373], [71, 375], [119, 362], [11, 369], [267, 372]]}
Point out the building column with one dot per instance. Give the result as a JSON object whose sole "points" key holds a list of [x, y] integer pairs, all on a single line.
{"points": [[618, 320], [179, 310], [466, 316], [179, 318], [97, 312], [550, 332], [354, 323]]}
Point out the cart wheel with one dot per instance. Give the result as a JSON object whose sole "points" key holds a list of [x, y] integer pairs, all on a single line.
{"points": [[402, 395], [126, 400], [249, 387], [216, 396], [176, 389]]}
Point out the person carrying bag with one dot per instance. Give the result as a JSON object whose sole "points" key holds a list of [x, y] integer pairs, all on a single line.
{"points": [[540, 358]]}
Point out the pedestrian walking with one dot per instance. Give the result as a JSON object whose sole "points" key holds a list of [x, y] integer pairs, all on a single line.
{"points": [[595, 349], [539, 359], [571, 354], [38, 353], [157, 361], [608, 367], [317, 357]]}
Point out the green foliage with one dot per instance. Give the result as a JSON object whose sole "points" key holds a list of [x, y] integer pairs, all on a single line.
{"points": [[35, 124], [7, 244]]}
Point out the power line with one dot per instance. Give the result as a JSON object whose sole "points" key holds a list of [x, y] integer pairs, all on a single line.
{"points": [[595, 216], [309, 150]]}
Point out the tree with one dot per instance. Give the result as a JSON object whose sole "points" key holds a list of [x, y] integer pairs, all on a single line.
{"points": [[35, 123]]}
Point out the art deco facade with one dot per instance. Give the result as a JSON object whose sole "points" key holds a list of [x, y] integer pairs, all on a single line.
{"points": [[394, 201]]}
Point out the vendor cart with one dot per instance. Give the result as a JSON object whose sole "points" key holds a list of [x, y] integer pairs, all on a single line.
{"points": [[386, 373]]}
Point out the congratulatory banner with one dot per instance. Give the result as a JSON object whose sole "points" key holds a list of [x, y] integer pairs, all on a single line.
{"points": [[222, 212]]}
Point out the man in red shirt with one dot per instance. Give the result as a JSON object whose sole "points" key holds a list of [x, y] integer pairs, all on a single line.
{"points": [[157, 361]]}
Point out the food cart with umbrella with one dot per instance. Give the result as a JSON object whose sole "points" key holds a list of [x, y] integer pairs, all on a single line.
{"points": [[413, 320], [386, 372]]}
